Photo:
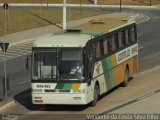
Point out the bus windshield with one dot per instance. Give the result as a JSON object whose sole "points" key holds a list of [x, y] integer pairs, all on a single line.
{"points": [[58, 64]]}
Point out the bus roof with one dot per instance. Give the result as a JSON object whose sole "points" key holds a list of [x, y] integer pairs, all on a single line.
{"points": [[103, 25], [78, 36], [62, 40]]}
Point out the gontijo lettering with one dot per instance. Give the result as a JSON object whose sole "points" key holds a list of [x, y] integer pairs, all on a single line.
{"points": [[127, 53]]}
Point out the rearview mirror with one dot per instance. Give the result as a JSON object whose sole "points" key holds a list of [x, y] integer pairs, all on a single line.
{"points": [[27, 62]]}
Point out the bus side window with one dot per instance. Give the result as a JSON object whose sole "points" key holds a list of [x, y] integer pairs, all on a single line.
{"points": [[135, 33], [116, 41], [113, 43], [126, 37], [132, 35], [123, 38], [120, 39], [105, 45], [98, 49], [110, 44]]}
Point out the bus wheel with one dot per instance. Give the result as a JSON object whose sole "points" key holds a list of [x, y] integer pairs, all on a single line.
{"points": [[95, 95], [126, 78]]}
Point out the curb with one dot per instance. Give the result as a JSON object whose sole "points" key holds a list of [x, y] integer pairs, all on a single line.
{"points": [[150, 70], [139, 18], [142, 20], [6, 105], [76, 5], [22, 41]]}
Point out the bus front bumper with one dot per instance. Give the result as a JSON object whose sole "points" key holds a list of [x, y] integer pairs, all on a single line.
{"points": [[68, 99]]}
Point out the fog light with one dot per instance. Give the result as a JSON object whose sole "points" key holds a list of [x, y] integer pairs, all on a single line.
{"points": [[38, 101]]}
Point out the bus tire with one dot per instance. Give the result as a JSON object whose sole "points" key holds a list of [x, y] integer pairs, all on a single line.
{"points": [[95, 95], [126, 78]]}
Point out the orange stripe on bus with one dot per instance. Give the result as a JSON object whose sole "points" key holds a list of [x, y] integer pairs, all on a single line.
{"points": [[75, 86], [114, 60]]}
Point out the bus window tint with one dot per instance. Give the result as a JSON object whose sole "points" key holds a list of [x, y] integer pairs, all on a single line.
{"points": [[126, 37], [132, 35], [70, 64], [105, 45], [110, 44], [113, 43], [135, 33], [44, 65], [123, 38], [120, 39], [116, 41], [98, 49]]}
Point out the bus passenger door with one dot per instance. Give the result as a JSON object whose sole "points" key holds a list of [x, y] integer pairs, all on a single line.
{"points": [[89, 62]]}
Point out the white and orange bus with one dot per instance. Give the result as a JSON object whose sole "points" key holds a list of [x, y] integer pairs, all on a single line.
{"points": [[78, 65]]}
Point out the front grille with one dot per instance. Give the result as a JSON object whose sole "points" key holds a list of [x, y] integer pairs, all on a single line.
{"points": [[50, 90], [64, 90], [57, 90]]}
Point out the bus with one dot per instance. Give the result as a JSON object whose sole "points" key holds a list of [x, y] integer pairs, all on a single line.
{"points": [[78, 65]]}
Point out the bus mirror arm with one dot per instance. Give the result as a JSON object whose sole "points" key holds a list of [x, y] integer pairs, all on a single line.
{"points": [[27, 62], [89, 80]]}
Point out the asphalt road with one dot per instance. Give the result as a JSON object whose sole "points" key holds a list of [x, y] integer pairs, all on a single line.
{"points": [[149, 47], [19, 77], [149, 43]]}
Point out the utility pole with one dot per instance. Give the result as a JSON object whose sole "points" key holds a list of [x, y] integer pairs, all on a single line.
{"points": [[46, 8], [95, 2], [69, 11], [120, 5], [150, 2], [4, 53], [40, 12], [64, 15], [47, 4], [80, 3], [4, 47]]}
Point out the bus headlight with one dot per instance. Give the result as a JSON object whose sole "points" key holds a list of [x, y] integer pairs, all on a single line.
{"points": [[79, 91], [36, 90]]}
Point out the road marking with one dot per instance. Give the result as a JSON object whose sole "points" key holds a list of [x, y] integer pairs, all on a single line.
{"points": [[12, 54], [140, 48], [22, 50], [140, 34], [17, 51], [24, 82], [149, 70], [7, 57], [15, 57], [145, 96], [22, 47], [155, 18]]}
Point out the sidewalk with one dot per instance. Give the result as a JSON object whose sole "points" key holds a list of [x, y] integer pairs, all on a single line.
{"points": [[148, 103], [19, 5], [29, 35]]}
